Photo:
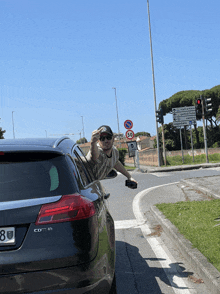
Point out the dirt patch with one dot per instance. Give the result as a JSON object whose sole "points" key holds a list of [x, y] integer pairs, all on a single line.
{"points": [[195, 280], [157, 231]]}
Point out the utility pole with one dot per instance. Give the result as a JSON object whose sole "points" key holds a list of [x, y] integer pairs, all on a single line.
{"points": [[152, 65]]}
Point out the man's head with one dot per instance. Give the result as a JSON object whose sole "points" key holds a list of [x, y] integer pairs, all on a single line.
{"points": [[106, 139]]}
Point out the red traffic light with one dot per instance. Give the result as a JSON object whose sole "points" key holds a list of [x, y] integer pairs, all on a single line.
{"points": [[198, 101]]}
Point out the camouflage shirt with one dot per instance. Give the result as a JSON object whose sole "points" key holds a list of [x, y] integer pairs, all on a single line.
{"points": [[102, 166]]}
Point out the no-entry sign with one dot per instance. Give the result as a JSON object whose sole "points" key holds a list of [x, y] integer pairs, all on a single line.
{"points": [[129, 134], [128, 124]]}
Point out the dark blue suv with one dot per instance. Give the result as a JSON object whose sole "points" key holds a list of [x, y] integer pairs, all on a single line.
{"points": [[56, 233]]}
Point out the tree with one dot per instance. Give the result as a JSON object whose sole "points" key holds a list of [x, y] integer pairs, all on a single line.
{"points": [[2, 133], [172, 138], [81, 141], [188, 98], [142, 134]]}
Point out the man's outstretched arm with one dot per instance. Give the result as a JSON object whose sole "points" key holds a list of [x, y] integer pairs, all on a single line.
{"points": [[120, 167]]}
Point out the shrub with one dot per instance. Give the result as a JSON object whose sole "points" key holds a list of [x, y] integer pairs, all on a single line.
{"points": [[122, 153]]}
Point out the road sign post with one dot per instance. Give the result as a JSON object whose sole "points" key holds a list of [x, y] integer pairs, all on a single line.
{"points": [[129, 134], [132, 147], [181, 141], [182, 116], [128, 124], [204, 129]]}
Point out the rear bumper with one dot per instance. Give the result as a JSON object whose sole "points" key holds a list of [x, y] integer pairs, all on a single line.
{"points": [[101, 287], [95, 277]]}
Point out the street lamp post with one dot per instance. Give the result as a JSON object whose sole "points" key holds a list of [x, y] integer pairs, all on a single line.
{"points": [[154, 89], [83, 130], [13, 125], [117, 116]]}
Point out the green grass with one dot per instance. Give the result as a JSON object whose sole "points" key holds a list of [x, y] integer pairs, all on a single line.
{"points": [[198, 159], [130, 167], [195, 220]]}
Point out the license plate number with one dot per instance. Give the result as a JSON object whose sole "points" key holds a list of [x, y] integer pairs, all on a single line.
{"points": [[7, 236]]}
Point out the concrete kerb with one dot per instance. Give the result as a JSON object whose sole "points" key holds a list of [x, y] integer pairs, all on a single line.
{"points": [[199, 262], [206, 191], [154, 169], [209, 274]]}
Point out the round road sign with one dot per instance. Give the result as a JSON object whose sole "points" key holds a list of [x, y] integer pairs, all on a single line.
{"points": [[128, 124], [129, 134]]}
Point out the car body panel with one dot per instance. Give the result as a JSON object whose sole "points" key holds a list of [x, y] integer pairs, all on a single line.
{"points": [[68, 257]]}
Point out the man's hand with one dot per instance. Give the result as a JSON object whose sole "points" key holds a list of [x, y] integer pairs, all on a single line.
{"points": [[133, 180], [131, 183], [119, 167], [94, 148], [95, 135]]}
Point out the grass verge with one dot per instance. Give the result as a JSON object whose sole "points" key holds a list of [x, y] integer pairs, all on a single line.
{"points": [[196, 221], [198, 159], [130, 167]]}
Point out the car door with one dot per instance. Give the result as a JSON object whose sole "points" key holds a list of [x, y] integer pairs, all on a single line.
{"points": [[93, 189]]}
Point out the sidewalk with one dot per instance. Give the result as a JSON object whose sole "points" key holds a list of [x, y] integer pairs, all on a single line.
{"points": [[209, 186]]}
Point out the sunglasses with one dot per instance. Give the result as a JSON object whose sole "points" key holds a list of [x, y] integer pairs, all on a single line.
{"points": [[102, 138]]}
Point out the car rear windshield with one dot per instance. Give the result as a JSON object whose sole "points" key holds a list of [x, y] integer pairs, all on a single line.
{"points": [[34, 175]]}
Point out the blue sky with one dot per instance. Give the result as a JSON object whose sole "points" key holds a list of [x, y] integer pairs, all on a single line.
{"points": [[60, 59]]}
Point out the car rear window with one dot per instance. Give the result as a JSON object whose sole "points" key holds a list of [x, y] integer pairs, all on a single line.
{"points": [[34, 175]]}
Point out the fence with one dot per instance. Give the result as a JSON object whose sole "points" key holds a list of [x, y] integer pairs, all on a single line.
{"points": [[150, 156]]}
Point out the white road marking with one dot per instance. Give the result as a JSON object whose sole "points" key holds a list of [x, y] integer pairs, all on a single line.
{"points": [[126, 224], [167, 262], [162, 174]]}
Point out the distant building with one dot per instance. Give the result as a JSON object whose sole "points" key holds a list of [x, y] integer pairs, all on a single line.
{"points": [[143, 142]]}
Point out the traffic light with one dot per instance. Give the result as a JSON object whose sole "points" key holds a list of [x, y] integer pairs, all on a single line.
{"points": [[199, 106], [208, 105], [159, 115], [199, 101]]}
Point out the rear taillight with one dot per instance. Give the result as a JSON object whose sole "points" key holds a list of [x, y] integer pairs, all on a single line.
{"points": [[68, 208]]}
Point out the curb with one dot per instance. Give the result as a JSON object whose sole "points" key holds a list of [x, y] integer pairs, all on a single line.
{"points": [[209, 274], [154, 169], [206, 191]]}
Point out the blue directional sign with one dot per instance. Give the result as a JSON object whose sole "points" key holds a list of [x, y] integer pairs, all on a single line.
{"points": [[128, 124]]}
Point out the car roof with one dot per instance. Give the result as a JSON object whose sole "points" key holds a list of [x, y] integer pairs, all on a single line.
{"points": [[36, 144]]}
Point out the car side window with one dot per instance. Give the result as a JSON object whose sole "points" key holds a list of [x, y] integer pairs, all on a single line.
{"points": [[73, 169], [82, 166]]}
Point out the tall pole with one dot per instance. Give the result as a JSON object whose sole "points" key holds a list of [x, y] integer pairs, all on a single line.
{"points": [[204, 129], [83, 130], [117, 116], [13, 125], [181, 141], [164, 149], [191, 141], [152, 65]]}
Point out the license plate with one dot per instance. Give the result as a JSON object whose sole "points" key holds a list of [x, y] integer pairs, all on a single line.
{"points": [[7, 236]]}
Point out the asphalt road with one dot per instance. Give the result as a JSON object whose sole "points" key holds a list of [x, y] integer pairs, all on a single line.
{"points": [[146, 259]]}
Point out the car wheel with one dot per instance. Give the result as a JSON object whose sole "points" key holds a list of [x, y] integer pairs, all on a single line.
{"points": [[113, 289]]}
